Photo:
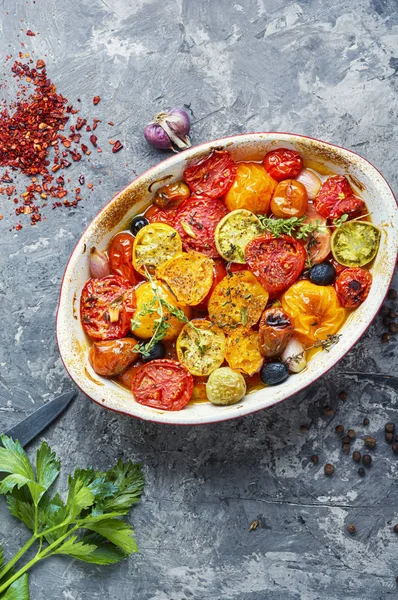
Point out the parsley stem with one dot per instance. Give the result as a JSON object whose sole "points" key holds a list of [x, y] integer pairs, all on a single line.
{"points": [[43, 554], [17, 557]]}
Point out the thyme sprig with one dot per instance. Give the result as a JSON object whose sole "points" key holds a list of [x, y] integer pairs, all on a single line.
{"points": [[297, 226], [326, 344]]}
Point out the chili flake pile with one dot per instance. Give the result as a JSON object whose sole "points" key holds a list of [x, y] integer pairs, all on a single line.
{"points": [[34, 140]]}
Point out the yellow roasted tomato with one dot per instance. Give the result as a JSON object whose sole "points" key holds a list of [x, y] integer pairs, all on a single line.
{"points": [[153, 245], [201, 347], [243, 351], [239, 299], [315, 311], [189, 275], [143, 324], [252, 188]]}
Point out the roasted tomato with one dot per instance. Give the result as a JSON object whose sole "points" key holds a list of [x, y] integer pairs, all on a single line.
{"points": [[201, 347], [318, 243], [154, 244], [276, 262], [212, 176], [107, 306], [113, 356], [283, 163], [234, 232], [290, 199], [163, 384], [144, 323], [154, 214], [355, 243], [314, 309], [219, 272], [353, 286], [121, 257], [337, 198], [243, 351], [238, 299], [275, 330], [196, 221], [252, 188], [189, 275], [171, 195]]}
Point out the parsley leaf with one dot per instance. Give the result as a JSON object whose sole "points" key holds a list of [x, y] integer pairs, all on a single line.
{"points": [[19, 590]]}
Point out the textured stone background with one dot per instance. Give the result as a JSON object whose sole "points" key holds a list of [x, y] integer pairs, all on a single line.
{"points": [[325, 69]]}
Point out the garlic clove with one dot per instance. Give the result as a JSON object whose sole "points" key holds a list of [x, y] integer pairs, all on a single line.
{"points": [[99, 264], [311, 182], [295, 356]]}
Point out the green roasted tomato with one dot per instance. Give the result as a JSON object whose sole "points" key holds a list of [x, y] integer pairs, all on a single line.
{"points": [[225, 387]]}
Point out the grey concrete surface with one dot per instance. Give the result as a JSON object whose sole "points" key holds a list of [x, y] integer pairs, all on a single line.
{"points": [[324, 69]]}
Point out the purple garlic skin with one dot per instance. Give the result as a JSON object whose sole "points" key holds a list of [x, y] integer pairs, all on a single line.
{"points": [[169, 130], [99, 264]]}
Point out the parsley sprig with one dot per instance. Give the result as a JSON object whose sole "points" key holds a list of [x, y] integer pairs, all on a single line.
{"points": [[88, 526]]}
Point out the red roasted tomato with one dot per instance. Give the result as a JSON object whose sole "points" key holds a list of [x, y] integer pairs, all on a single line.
{"points": [[212, 176], [154, 214], [196, 221], [283, 163], [276, 262], [353, 286], [107, 306], [120, 257], [164, 384], [336, 198]]}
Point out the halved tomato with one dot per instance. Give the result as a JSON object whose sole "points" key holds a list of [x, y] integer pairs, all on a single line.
{"points": [[238, 299], [155, 214], [276, 262], [163, 384], [243, 351], [154, 244], [201, 347], [337, 198], [189, 275], [211, 176], [314, 309], [196, 221], [219, 272], [121, 257], [107, 306]]}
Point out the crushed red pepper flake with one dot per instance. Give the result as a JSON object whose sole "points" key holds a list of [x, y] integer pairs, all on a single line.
{"points": [[30, 33], [96, 99], [117, 146]]}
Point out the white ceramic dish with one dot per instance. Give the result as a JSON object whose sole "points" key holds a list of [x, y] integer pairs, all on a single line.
{"points": [[73, 344]]}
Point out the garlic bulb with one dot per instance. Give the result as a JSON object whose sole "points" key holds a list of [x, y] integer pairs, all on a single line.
{"points": [[295, 356]]}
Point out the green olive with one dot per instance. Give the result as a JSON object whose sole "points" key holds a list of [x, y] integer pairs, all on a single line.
{"points": [[225, 387], [355, 243]]}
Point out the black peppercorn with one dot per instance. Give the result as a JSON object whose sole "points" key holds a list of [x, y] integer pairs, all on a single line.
{"points": [[395, 447], [356, 456], [384, 311], [351, 434], [343, 395], [392, 314], [345, 439], [395, 528], [303, 428], [366, 460], [366, 421], [389, 427], [315, 459], [389, 437], [393, 327], [370, 442], [392, 294], [328, 411], [385, 338], [339, 429], [328, 469], [361, 472], [346, 448], [351, 528]]}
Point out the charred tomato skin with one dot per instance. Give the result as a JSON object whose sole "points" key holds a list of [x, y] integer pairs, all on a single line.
{"points": [[120, 257], [336, 198], [353, 287], [275, 330], [283, 163], [211, 176]]}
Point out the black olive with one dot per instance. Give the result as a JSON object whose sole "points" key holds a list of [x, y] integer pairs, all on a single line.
{"points": [[322, 274], [138, 223], [273, 373], [157, 352]]}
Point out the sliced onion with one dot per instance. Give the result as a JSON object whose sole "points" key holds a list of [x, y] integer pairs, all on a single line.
{"points": [[311, 182], [295, 356]]}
